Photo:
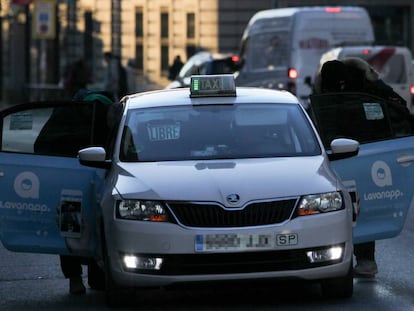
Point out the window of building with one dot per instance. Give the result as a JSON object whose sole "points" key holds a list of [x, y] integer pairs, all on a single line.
{"points": [[139, 23], [164, 25], [88, 37], [116, 29], [139, 38], [164, 59], [164, 41], [190, 25], [139, 56]]}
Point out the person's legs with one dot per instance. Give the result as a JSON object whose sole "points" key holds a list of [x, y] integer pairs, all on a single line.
{"points": [[72, 269], [365, 259]]}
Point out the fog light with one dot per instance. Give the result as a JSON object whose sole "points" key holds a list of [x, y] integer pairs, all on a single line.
{"points": [[137, 262], [327, 254]]}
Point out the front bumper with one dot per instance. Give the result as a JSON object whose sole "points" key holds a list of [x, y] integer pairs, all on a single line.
{"points": [[182, 263]]}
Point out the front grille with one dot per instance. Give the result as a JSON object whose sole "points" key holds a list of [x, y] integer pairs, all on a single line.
{"points": [[214, 215]]}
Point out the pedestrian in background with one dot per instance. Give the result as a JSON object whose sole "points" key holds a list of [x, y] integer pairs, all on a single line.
{"points": [[76, 76], [175, 68]]}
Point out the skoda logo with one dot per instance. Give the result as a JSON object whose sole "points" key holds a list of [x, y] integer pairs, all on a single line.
{"points": [[233, 198]]}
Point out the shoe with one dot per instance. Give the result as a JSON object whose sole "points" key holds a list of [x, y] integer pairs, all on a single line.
{"points": [[366, 268], [76, 286]]}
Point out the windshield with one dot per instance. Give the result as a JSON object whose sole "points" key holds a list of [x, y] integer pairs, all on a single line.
{"points": [[217, 132], [267, 51]]}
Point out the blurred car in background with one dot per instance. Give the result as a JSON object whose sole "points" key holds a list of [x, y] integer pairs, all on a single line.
{"points": [[205, 63]]}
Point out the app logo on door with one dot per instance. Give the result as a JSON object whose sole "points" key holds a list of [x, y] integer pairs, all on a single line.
{"points": [[26, 185], [381, 174]]}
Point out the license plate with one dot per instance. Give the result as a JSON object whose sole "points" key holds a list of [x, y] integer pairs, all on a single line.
{"points": [[233, 242]]}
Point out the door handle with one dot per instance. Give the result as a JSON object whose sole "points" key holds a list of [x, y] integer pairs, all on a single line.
{"points": [[405, 159]]}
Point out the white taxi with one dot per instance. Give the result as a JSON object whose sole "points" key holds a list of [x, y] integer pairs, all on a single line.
{"points": [[210, 183]]}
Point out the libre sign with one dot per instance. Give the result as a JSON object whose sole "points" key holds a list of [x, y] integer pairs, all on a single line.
{"points": [[44, 19]]}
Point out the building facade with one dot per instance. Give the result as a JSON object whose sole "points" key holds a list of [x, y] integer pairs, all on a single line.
{"points": [[40, 37]]}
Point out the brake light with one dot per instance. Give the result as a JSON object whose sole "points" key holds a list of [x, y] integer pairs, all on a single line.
{"points": [[333, 10], [366, 51], [235, 58], [412, 99], [292, 73]]}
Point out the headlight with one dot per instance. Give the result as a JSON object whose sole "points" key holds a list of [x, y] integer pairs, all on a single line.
{"points": [[320, 203], [142, 210]]}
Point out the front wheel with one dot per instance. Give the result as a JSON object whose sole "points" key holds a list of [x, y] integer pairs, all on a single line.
{"points": [[341, 287]]}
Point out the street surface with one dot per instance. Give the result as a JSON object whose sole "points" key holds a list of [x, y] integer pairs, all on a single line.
{"points": [[34, 282]]}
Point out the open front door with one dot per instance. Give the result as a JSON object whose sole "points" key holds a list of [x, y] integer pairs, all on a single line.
{"points": [[47, 199], [383, 170]]}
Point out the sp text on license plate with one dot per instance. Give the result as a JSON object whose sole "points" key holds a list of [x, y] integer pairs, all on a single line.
{"points": [[287, 239]]}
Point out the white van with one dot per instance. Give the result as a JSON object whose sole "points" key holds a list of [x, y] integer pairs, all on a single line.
{"points": [[393, 63], [281, 48]]}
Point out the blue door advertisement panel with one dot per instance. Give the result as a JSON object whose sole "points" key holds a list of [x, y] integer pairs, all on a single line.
{"points": [[47, 204], [382, 182], [48, 200]]}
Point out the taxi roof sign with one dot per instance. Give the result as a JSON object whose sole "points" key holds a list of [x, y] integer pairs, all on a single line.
{"points": [[212, 85]]}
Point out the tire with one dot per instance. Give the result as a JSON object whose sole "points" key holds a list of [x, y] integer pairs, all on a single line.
{"points": [[96, 276], [342, 287]]}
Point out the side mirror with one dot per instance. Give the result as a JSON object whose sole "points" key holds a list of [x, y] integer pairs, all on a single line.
{"points": [[343, 148], [94, 157]]}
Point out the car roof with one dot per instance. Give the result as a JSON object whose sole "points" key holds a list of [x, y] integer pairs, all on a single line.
{"points": [[181, 96], [291, 11]]}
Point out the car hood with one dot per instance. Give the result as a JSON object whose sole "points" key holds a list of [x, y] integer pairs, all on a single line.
{"points": [[251, 179]]}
